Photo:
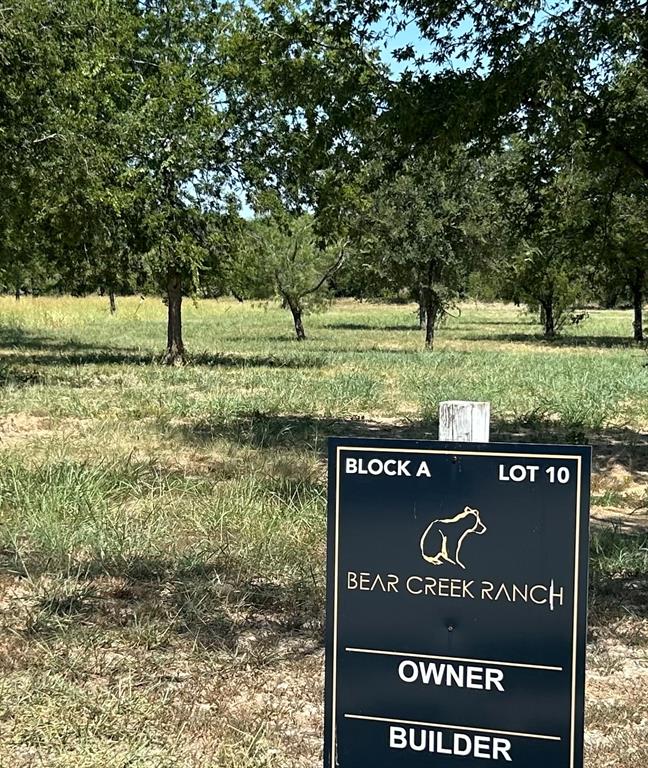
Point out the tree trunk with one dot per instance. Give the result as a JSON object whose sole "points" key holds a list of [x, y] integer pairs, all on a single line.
{"points": [[431, 302], [431, 313], [17, 293], [175, 352], [113, 303], [422, 315], [637, 303], [429, 331], [549, 321], [297, 313], [422, 312]]}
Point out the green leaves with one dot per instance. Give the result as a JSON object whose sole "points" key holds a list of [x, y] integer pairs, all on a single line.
{"points": [[425, 224], [546, 216], [295, 258]]}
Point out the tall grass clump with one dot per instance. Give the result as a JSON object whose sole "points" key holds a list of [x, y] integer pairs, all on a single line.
{"points": [[74, 513], [614, 554]]}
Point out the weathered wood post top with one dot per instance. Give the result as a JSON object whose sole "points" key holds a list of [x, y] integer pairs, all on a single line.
{"points": [[463, 421]]}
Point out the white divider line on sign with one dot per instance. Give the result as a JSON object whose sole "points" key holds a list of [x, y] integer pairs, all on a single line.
{"points": [[453, 727], [492, 662]]}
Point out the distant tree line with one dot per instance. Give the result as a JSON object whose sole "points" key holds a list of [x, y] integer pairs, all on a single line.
{"points": [[204, 148]]}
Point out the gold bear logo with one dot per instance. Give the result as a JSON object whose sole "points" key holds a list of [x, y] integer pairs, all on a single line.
{"points": [[445, 537]]}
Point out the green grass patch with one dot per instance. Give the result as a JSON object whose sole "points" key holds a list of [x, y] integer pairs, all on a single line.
{"points": [[618, 555]]}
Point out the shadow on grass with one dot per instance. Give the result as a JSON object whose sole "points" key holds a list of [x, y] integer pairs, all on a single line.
{"points": [[607, 342], [212, 603], [267, 431], [49, 350], [19, 368], [367, 327], [487, 323], [614, 445], [15, 336], [255, 361]]}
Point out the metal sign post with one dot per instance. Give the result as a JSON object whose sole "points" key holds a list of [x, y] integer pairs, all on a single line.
{"points": [[457, 585]]}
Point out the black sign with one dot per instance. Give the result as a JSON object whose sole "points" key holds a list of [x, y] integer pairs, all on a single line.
{"points": [[457, 588]]}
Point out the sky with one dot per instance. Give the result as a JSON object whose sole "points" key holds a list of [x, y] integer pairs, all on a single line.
{"points": [[409, 36]]}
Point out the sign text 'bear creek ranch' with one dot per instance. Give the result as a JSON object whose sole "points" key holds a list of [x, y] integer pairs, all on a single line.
{"points": [[456, 613]]}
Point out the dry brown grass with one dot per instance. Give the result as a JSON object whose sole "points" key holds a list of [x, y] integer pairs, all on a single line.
{"points": [[107, 671]]}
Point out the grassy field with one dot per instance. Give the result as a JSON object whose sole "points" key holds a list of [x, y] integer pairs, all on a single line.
{"points": [[162, 530]]}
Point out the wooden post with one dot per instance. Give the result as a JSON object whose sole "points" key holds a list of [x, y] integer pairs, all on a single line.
{"points": [[464, 422]]}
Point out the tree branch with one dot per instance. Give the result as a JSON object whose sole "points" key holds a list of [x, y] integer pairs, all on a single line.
{"points": [[329, 272], [46, 138]]}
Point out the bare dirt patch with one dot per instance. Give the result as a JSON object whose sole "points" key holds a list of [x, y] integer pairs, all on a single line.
{"points": [[19, 427]]}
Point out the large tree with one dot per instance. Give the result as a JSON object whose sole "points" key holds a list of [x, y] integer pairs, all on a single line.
{"points": [[547, 219], [297, 261], [185, 118], [42, 46], [426, 227], [67, 131], [619, 244], [313, 97]]}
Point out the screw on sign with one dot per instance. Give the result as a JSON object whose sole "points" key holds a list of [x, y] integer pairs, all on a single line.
{"points": [[456, 615]]}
